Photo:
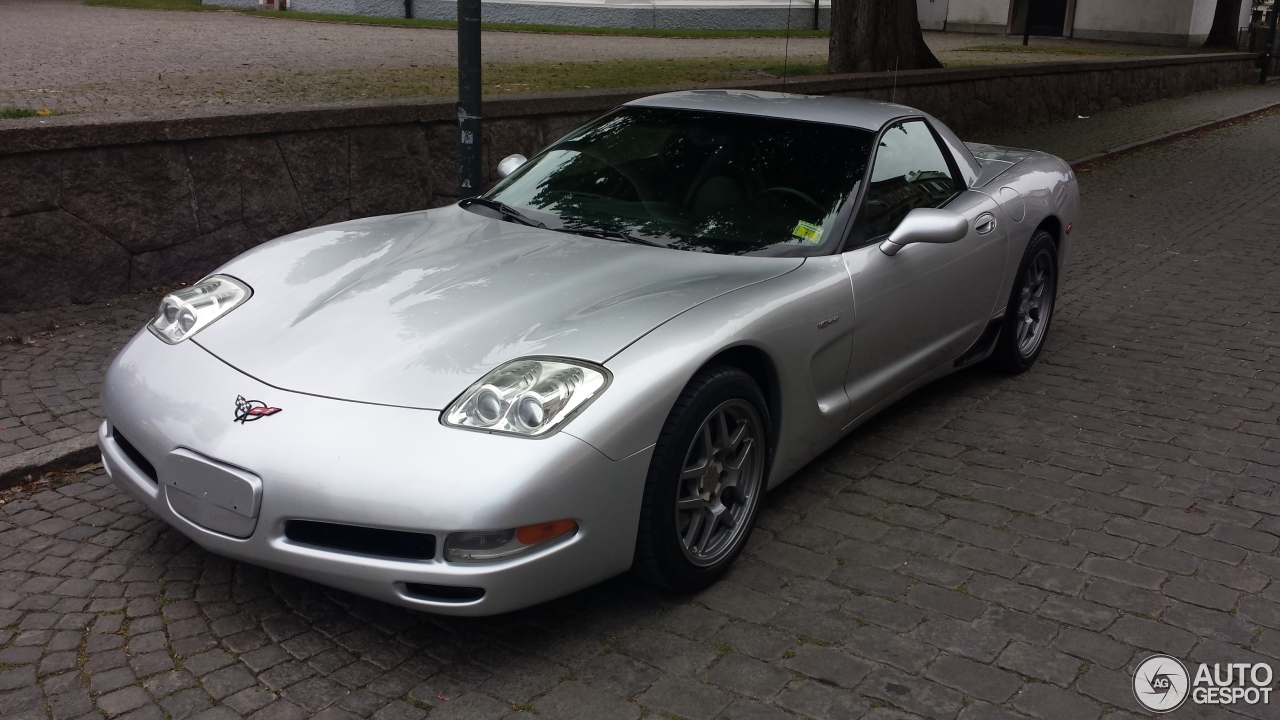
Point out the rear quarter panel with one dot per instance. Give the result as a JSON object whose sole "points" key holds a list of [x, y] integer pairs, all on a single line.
{"points": [[1040, 190]]}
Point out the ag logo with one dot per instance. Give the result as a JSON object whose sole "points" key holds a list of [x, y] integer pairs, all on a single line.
{"points": [[1160, 683], [250, 410]]}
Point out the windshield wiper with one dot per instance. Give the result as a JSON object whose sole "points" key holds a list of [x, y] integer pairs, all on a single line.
{"points": [[610, 235], [511, 213], [506, 210]]}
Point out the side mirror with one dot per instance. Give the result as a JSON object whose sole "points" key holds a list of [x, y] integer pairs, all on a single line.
{"points": [[926, 225], [510, 164]]}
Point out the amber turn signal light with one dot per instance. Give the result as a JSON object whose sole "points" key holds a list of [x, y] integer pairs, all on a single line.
{"points": [[534, 534]]}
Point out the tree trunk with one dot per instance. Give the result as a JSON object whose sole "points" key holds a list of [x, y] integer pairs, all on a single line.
{"points": [[1226, 25], [877, 36]]}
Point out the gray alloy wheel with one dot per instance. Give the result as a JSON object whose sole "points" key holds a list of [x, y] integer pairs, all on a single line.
{"points": [[1036, 303], [720, 482], [1030, 310], [706, 482]]}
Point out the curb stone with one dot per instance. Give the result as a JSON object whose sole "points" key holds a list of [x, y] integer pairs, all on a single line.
{"points": [[60, 456]]}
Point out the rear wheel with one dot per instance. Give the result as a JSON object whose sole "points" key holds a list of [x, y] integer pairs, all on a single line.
{"points": [[1030, 310], [705, 481]]}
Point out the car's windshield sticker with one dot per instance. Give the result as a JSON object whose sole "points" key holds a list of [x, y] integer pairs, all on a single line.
{"points": [[808, 231]]}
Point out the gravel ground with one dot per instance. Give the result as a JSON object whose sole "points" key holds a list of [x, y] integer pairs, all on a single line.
{"points": [[61, 54], [66, 56]]}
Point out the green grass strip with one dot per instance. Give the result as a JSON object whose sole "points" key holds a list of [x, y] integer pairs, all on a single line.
{"points": [[13, 113], [1059, 49]]}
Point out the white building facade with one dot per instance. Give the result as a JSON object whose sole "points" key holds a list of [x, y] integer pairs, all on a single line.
{"points": [[1150, 22]]}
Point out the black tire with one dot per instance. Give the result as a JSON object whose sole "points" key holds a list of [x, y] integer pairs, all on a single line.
{"points": [[662, 554], [1014, 353]]}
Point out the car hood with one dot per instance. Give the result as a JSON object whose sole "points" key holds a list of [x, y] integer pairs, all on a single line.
{"points": [[411, 309]]}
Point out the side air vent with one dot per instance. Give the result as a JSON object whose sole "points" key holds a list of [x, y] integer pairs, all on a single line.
{"points": [[443, 593], [134, 456], [363, 540]]}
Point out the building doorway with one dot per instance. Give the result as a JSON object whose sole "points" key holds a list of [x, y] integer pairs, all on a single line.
{"points": [[1045, 17]]}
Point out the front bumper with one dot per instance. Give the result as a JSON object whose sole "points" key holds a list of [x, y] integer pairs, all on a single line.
{"points": [[371, 466]]}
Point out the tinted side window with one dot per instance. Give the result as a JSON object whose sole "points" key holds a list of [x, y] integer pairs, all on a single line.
{"points": [[910, 172]]}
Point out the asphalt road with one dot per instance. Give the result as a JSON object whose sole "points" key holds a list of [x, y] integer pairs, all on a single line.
{"points": [[990, 548]]}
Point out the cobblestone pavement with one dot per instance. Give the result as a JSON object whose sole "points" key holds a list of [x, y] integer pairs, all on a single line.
{"points": [[51, 364], [990, 548], [62, 55]]}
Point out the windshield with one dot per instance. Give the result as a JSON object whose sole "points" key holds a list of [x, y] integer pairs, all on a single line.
{"points": [[709, 182]]}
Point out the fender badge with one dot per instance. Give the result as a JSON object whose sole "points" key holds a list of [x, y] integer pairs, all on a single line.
{"points": [[828, 322], [250, 410]]}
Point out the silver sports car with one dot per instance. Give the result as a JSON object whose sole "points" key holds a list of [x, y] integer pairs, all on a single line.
{"points": [[600, 365]]}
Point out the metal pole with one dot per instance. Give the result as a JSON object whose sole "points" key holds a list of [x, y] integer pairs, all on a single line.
{"points": [[1026, 24], [469, 158], [815, 15], [1271, 44]]}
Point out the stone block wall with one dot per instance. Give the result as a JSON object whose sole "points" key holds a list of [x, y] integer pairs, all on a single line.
{"points": [[93, 207], [95, 222]]}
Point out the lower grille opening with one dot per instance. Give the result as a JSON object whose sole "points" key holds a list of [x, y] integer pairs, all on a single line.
{"points": [[444, 593], [364, 540], [134, 456]]}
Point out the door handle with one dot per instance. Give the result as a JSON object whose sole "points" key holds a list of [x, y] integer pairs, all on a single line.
{"points": [[985, 223]]}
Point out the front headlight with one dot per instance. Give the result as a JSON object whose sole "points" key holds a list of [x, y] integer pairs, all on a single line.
{"points": [[530, 397], [185, 312]]}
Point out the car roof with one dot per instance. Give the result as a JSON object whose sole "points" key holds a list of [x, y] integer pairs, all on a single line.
{"points": [[852, 112], [869, 115]]}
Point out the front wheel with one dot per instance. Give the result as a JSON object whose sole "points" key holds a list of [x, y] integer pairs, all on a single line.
{"points": [[1030, 309], [705, 481]]}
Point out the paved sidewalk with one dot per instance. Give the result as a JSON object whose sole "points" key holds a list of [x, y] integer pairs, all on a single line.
{"points": [[1104, 132], [992, 548], [51, 361]]}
